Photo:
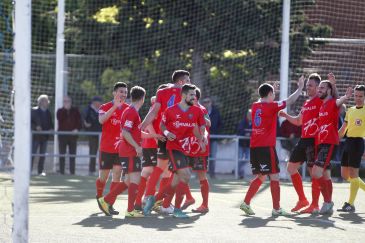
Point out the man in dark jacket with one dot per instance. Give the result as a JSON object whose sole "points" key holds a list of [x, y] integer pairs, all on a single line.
{"points": [[69, 119], [41, 120], [91, 124], [216, 127]]}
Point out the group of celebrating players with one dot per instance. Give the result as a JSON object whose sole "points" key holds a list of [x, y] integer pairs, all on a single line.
{"points": [[173, 140], [175, 130]]}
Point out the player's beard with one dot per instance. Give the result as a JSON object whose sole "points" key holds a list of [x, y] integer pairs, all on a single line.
{"points": [[189, 102], [323, 96]]}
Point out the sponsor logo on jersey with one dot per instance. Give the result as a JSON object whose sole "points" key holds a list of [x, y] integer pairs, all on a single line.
{"points": [[115, 122], [128, 124], [178, 124], [323, 113]]}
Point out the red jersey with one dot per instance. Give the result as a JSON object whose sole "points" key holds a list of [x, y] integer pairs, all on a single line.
{"points": [[264, 122], [167, 97], [328, 122], [310, 113], [181, 123], [130, 122], [206, 114], [150, 142], [110, 134]]}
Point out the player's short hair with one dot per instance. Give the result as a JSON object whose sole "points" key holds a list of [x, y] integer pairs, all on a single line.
{"points": [[265, 89], [360, 87], [162, 86], [178, 74], [315, 77], [329, 84], [187, 87], [118, 85], [198, 93], [137, 93]]}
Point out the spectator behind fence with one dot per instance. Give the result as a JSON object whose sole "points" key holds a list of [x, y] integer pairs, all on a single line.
{"points": [[290, 131], [244, 129], [216, 127], [69, 119], [41, 120], [91, 124]]}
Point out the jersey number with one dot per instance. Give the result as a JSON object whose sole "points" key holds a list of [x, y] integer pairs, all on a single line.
{"points": [[171, 101], [257, 118]]}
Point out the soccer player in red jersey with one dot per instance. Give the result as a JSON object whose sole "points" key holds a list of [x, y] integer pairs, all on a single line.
{"points": [[199, 162], [165, 98], [130, 151], [149, 160], [178, 124], [109, 117], [327, 139], [304, 150], [263, 157]]}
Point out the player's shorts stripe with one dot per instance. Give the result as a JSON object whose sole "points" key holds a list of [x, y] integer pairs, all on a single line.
{"points": [[273, 160], [329, 156], [172, 159]]}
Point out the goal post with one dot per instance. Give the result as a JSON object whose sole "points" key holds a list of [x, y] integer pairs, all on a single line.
{"points": [[22, 134]]}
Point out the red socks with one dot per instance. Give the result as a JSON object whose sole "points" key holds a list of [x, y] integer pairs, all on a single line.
{"points": [[180, 191], [141, 189], [99, 187], [316, 191], [152, 181], [325, 187], [187, 191], [204, 188], [275, 194], [163, 183], [329, 189], [298, 186], [169, 195], [132, 193], [252, 190], [112, 195]]}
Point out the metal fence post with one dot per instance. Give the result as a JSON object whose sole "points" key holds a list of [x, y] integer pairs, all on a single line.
{"points": [[236, 140]]}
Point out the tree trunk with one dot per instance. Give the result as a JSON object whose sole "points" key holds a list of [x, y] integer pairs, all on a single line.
{"points": [[198, 71]]}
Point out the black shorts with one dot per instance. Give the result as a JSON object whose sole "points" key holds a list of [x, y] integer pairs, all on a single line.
{"points": [[264, 160], [162, 151], [131, 164], [149, 157], [108, 160], [304, 150], [352, 154], [178, 160], [199, 163], [326, 153]]}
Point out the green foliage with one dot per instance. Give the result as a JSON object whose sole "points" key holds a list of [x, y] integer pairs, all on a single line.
{"points": [[142, 42]]}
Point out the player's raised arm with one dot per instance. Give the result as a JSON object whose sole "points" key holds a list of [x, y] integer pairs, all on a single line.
{"points": [[331, 77], [295, 120], [294, 96], [345, 97], [152, 114]]}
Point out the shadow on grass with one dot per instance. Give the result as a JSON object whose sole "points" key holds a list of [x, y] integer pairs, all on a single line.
{"points": [[158, 222], [317, 221], [257, 222], [353, 218], [65, 188]]}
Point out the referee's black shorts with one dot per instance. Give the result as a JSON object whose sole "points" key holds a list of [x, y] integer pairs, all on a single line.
{"points": [[352, 154]]}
